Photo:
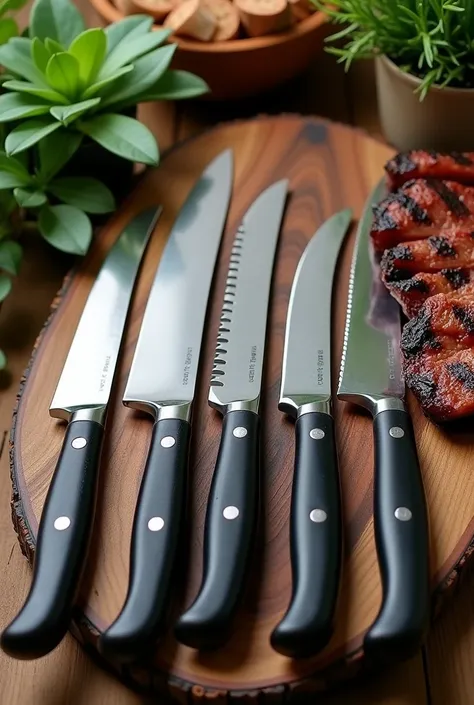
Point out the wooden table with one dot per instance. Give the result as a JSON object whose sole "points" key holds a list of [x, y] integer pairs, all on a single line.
{"points": [[440, 675]]}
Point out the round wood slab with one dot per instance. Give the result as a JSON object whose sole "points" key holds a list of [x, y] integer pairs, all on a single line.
{"points": [[330, 167]]}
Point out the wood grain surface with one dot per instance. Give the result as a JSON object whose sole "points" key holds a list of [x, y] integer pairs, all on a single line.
{"points": [[329, 167]]}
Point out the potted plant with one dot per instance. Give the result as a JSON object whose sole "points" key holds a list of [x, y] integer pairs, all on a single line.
{"points": [[424, 51], [66, 109]]}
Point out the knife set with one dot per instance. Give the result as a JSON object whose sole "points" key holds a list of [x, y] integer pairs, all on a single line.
{"points": [[162, 383]]}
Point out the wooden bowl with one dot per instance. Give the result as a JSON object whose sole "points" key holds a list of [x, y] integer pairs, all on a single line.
{"points": [[243, 67]]}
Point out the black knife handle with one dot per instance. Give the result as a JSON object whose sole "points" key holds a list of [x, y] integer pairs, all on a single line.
{"points": [[61, 549], [155, 538], [402, 541], [315, 540], [229, 532]]}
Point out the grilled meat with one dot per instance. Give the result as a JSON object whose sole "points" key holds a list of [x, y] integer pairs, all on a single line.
{"points": [[422, 208], [413, 292], [438, 354], [421, 164]]}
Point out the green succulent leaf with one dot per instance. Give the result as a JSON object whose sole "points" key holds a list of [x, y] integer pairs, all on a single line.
{"points": [[29, 198], [123, 136], [5, 286], [10, 256], [68, 113], [130, 49], [62, 73], [3, 360], [146, 72], [29, 133], [8, 29], [66, 228], [129, 27], [55, 151], [102, 85], [12, 173], [15, 56], [14, 106], [39, 54], [7, 5], [89, 49], [44, 93], [57, 19], [53, 46], [88, 194], [176, 85]]}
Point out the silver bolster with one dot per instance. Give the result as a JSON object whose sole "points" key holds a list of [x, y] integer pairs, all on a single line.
{"points": [[173, 410], [388, 404], [321, 407], [246, 405], [96, 414]]}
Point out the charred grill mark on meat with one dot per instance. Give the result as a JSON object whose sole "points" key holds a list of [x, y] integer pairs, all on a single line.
{"points": [[463, 373], [419, 164], [452, 200], [465, 317], [456, 277], [461, 159], [423, 386], [418, 335], [442, 246]]}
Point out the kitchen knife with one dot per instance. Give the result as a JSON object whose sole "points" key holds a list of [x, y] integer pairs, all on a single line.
{"points": [[162, 382], [305, 394], [371, 376], [81, 398], [235, 392]]}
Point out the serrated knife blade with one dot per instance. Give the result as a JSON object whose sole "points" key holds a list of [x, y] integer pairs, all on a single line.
{"points": [[162, 382], [371, 376], [305, 394], [235, 392], [81, 398]]}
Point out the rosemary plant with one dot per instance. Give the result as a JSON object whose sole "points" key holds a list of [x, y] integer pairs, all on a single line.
{"points": [[431, 39]]}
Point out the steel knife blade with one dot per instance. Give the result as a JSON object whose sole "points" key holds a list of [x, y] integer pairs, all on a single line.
{"points": [[81, 398], [305, 394], [162, 381], [371, 376], [235, 392]]}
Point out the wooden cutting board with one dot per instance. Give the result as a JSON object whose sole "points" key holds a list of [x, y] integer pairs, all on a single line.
{"points": [[330, 167]]}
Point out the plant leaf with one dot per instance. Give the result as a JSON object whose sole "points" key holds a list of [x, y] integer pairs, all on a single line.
{"points": [[45, 93], [68, 113], [29, 133], [128, 27], [123, 136], [146, 72], [3, 360], [105, 82], [8, 29], [39, 54], [53, 46], [6, 5], [132, 48], [5, 286], [88, 194], [58, 19], [62, 73], [55, 151], [29, 199], [66, 228], [10, 256], [89, 49], [19, 105], [12, 173], [176, 85], [16, 57]]}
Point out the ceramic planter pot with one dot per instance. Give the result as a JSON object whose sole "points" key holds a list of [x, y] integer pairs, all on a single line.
{"points": [[444, 120]]}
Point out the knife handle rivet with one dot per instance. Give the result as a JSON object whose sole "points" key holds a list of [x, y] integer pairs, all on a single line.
{"points": [[168, 441], [230, 513], [79, 442], [403, 514], [317, 434], [156, 524], [397, 432], [240, 432], [318, 516], [62, 523]]}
